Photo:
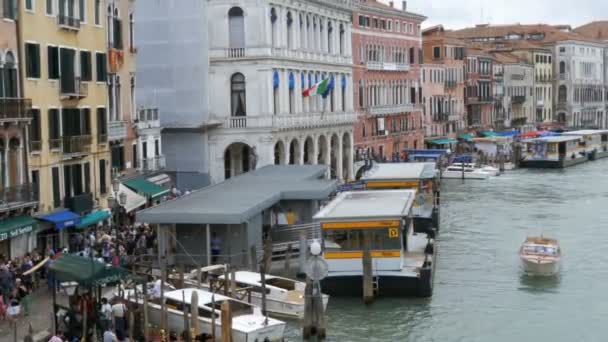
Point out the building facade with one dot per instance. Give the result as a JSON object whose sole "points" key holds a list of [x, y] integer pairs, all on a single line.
{"points": [[172, 89], [18, 197], [263, 56], [443, 84], [478, 90], [519, 91], [65, 74], [122, 111], [387, 56], [579, 69]]}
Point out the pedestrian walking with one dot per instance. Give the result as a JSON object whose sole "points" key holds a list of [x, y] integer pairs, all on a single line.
{"points": [[23, 294], [119, 312], [58, 337], [105, 314]]}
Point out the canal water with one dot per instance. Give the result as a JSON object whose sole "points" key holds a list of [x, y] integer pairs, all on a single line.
{"points": [[480, 293]]}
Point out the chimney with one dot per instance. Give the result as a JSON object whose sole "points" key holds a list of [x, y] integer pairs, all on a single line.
{"points": [[392, 4], [404, 6]]}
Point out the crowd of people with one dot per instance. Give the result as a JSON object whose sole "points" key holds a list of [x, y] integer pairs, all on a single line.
{"points": [[16, 285]]}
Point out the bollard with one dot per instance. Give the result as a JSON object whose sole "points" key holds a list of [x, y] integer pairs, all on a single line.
{"points": [[226, 322], [302, 256], [368, 286]]}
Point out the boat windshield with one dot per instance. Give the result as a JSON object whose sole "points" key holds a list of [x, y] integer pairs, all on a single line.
{"points": [[536, 249]]}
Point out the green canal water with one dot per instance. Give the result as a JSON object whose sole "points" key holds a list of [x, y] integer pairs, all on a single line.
{"points": [[480, 293]]}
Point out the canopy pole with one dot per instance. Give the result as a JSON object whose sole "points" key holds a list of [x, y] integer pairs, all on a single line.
{"points": [[208, 236]]}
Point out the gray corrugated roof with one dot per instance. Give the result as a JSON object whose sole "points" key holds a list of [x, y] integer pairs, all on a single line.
{"points": [[401, 171], [240, 198], [586, 132], [372, 204], [558, 139]]}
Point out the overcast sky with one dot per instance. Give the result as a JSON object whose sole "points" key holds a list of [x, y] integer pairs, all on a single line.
{"points": [[462, 13]]}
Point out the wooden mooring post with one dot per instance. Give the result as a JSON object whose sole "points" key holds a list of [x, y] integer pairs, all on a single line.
{"points": [[226, 322], [368, 281]]}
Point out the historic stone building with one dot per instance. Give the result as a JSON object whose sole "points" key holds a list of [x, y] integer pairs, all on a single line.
{"points": [[263, 55], [387, 56]]}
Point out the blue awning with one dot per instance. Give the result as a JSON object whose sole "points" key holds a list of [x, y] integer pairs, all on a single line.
{"points": [[508, 133], [63, 219]]}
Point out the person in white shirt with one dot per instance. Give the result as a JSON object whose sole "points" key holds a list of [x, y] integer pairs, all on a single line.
{"points": [[109, 336], [156, 289], [106, 314], [119, 312]]}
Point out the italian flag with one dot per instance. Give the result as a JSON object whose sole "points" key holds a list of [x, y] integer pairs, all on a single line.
{"points": [[321, 88]]}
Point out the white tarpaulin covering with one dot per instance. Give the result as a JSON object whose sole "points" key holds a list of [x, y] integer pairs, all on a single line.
{"points": [[134, 200]]}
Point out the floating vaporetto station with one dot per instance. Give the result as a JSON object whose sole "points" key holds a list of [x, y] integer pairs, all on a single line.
{"points": [[378, 223]]}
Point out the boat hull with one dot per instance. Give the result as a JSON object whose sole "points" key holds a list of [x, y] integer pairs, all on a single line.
{"points": [[469, 175], [540, 268], [552, 164]]}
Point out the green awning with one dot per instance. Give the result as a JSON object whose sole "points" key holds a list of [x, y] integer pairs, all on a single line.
{"points": [[467, 137], [442, 141], [92, 219], [85, 271], [15, 226], [490, 134], [146, 188]]}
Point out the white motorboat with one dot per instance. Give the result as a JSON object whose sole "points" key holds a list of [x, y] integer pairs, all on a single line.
{"points": [[284, 297], [540, 256], [248, 322], [455, 171]]}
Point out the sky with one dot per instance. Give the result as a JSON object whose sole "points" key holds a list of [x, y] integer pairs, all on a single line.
{"points": [[453, 14]]}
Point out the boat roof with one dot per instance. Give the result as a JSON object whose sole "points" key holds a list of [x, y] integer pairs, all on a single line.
{"points": [[371, 204], [586, 132], [249, 277], [394, 171], [540, 240], [204, 297], [558, 139]]}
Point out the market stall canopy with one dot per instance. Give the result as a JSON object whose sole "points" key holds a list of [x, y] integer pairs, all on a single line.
{"points": [[62, 219], [489, 133], [467, 137], [146, 188], [238, 199], [86, 271], [134, 200], [441, 141], [93, 218], [508, 133], [15, 226]]}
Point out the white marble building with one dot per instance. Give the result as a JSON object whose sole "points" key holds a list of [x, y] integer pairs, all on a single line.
{"points": [[262, 55], [580, 98]]}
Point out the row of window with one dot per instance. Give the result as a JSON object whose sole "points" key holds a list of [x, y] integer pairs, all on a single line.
{"points": [[64, 8], [481, 90], [387, 25], [388, 54], [379, 126], [66, 122], [62, 63], [543, 59], [8, 77], [372, 94], [455, 75], [457, 53]]}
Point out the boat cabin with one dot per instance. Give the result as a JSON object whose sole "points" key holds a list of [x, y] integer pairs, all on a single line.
{"points": [[206, 304], [554, 152], [380, 219], [594, 141], [423, 177]]}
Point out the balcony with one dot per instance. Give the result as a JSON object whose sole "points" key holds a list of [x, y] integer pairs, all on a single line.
{"points": [[55, 144], [235, 53], [19, 196], [35, 145], [152, 164], [479, 100], [15, 108], [518, 99], [391, 109], [450, 84], [386, 66], [447, 117], [80, 204], [291, 121], [73, 89], [147, 118], [562, 77], [117, 130], [76, 144], [68, 23], [540, 103]]}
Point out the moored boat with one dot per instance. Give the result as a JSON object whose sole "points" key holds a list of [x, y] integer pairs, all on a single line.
{"points": [[284, 296], [248, 322], [540, 256], [455, 171]]}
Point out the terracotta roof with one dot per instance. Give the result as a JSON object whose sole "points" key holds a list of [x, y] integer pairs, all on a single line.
{"points": [[506, 58], [552, 33], [595, 30], [383, 6]]}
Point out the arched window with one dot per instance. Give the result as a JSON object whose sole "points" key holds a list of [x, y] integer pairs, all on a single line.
{"points": [[236, 28], [289, 20], [273, 23], [363, 133], [8, 76], [562, 95], [562, 67], [237, 95]]}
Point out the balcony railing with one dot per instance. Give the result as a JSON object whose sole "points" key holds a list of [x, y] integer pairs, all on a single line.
{"points": [[117, 130], [562, 77], [20, 194], [55, 144], [102, 138], [73, 88], [152, 164], [15, 108], [391, 109], [476, 99], [235, 53], [290, 121], [35, 145], [76, 144], [518, 99], [450, 84], [68, 22], [387, 66]]}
